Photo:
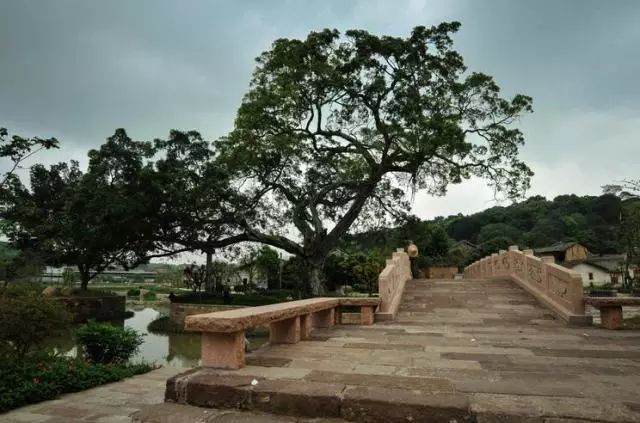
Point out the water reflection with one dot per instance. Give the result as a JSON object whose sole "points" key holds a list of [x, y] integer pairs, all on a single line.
{"points": [[179, 350]]}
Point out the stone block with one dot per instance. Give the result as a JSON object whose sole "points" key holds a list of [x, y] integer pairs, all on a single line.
{"points": [[306, 325], [324, 318], [285, 331], [611, 317], [298, 398], [223, 350], [366, 315], [372, 404]]}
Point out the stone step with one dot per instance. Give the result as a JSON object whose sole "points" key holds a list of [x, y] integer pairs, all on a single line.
{"points": [[218, 389], [179, 413], [207, 395]]}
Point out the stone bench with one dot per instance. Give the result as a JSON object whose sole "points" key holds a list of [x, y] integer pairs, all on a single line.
{"points": [[611, 309], [223, 331]]}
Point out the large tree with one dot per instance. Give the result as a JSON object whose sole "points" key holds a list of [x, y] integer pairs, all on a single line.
{"points": [[91, 220], [334, 129]]}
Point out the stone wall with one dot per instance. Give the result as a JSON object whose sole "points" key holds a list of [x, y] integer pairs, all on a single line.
{"points": [[178, 311], [108, 307], [391, 284], [558, 288]]}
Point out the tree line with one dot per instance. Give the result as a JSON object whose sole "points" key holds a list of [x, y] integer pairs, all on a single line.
{"points": [[605, 224], [334, 134]]}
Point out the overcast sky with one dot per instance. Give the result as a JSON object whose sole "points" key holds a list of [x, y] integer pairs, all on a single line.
{"points": [[77, 70]]}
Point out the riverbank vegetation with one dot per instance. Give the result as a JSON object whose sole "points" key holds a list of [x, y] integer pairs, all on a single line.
{"points": [[31, 372]]}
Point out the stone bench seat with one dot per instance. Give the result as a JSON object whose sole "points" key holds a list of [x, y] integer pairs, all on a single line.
{"points": [[223, 332], [611, 309]]}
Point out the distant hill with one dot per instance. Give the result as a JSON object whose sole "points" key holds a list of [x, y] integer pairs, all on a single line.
{"points": [[594, 221]]}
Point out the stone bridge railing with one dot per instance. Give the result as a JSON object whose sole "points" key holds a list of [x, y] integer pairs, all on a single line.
{"points": [[557, 287], [391, 284]]}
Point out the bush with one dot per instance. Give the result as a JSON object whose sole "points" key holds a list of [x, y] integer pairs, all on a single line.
{"points": [[105, 343], [27, 381], [149, 296], [27, 319], [133, 292]]}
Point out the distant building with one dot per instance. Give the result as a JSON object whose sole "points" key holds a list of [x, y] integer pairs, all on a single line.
{"points": [[594, 269], [564, 252], [598, 270]]}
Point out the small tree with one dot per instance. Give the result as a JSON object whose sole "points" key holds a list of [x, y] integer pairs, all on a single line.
{"points": [[28, 319], [195, 276], [268, 265]]}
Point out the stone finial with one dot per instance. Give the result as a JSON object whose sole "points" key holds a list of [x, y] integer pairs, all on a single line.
{"points": [[513, 248], [528, 252]]}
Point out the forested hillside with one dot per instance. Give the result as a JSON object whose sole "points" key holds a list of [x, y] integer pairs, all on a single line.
{"points": [[593, 221]]}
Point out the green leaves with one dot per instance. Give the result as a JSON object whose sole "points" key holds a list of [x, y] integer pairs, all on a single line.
{"points": [[107, 344]]}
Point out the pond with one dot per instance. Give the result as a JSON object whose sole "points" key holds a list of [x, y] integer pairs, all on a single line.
{"points": [[178, 350]]}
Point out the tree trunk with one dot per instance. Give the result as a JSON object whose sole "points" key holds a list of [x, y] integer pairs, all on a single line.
{"points": [[207, 281], [316, 276], [84, 278]]}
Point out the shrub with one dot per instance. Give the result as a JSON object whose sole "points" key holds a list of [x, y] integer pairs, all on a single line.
{"points": [[27, 381], [105, 343], [149, 296], [133, 292], [27, 319]]}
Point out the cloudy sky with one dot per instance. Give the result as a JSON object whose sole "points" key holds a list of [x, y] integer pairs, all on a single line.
{"points": [[77, 70]]}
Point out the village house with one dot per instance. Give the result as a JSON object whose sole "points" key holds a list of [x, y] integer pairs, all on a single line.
{"points": [[595, 269]]}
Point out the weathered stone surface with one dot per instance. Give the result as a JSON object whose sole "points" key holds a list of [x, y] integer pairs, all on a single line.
{"points": [[298, 398], [215, 391], [285, 331], [372, 404], [611, 317], [223, 350], [240, 319], [393, 382]]}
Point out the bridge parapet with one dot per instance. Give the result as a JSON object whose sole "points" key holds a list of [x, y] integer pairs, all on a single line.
{"points": [[391, 284], [559, 288]]}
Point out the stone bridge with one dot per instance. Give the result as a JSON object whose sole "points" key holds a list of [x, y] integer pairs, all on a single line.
{"points": [[509, 343]]}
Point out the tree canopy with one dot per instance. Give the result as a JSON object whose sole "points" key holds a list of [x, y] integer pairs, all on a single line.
{"points": [[335, 129]]}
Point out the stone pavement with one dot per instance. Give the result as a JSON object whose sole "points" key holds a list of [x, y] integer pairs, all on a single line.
{"points": [[469, 350]]}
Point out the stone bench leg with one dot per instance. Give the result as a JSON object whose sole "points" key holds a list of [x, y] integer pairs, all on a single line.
{"points": [[366, 315], [223, 350], [337, 316], [285, 331], [611, 317], [306, 324], [324, 318]]}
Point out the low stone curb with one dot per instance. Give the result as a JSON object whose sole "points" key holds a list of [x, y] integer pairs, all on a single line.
{"points": [[205, 388]]}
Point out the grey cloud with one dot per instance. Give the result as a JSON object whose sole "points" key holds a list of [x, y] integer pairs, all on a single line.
{"points": [[77, 70]]}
